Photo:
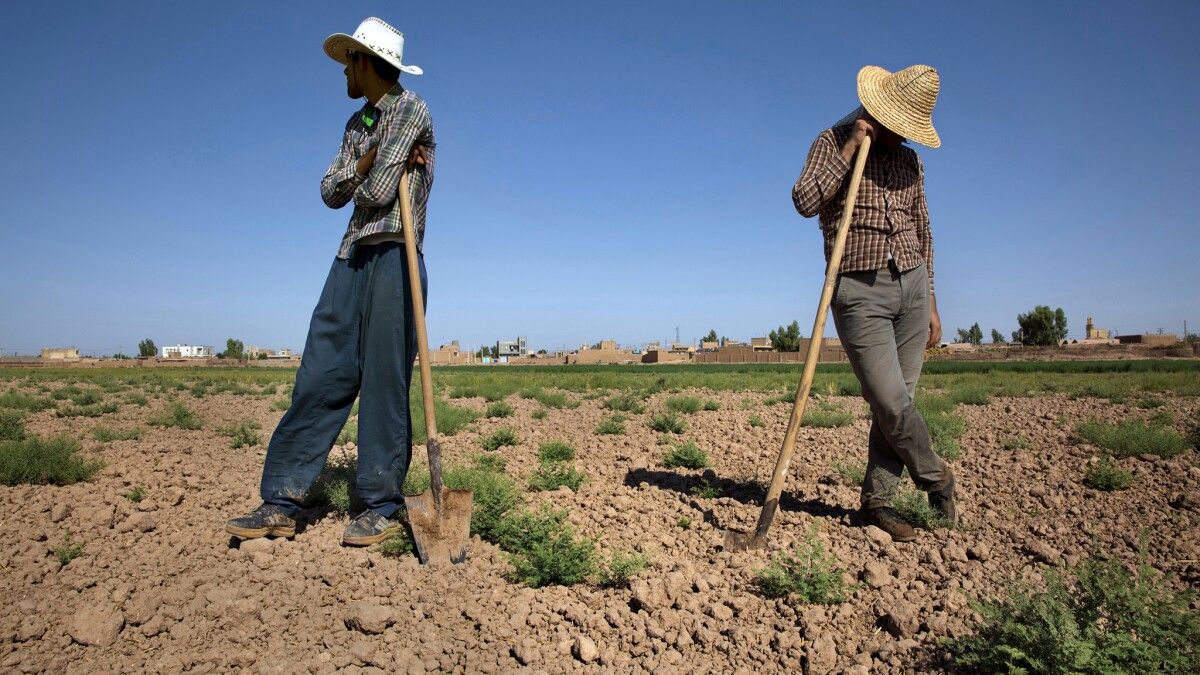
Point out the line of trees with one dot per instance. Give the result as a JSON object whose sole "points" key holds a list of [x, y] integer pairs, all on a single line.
{"points": [[1039, 327]]}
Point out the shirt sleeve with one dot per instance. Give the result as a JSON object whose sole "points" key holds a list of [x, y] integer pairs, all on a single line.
{"points": [[822, 177], [340, 180], [400, 131], [920, 219]]}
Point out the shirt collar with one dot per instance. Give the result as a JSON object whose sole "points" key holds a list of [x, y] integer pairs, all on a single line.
{"points": [[391, 97]]}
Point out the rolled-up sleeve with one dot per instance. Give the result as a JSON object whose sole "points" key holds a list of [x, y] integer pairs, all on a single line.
{"points": [[920, 219], [340, 180], [823, 173], [403, 124]]}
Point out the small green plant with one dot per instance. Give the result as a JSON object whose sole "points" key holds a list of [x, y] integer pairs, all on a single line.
{"points": [[38, 461], [852, 474], [613, 425], [67, 551], [555, 451], [1107, 475], [706, 490], [349, 432], [684, 523], [827, 418], [780, 398], [1162, 418], [625, 402], [544, 550], [1106, 620], [334, 488], [686, 455], [498, 409], [1132, 437], [1016, 443], [539, 414], [556, 400], [684, 404], [281, 404], [243, 434], [495, 494], [756, 421], [17, 400], [711, 405], [139, 400], [65, 392], [1149, 402], [807, 572], [177, 415], [667, 423], [550, 477], [137, 494], [621, 569], [399, 545], [499, 438], [913, 506], [489, 462], [12, 424], [971, 394], [90, 410]]}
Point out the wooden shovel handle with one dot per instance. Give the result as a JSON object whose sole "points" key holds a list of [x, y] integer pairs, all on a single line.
{"points": [[814, 345], [418, 315]]}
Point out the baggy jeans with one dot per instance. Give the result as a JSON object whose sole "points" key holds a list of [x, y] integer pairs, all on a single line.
{"points": [[882, 319], [361, 341]]}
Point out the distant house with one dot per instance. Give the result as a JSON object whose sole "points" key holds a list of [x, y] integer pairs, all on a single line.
{"points": [[187, 352], [59, 353], [516, 347]]}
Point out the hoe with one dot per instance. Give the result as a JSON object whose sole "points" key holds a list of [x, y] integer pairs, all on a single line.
{"points": [[740, 541]]}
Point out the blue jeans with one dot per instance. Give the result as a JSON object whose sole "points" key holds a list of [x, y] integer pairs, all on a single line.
{"points": [[361, 341]]}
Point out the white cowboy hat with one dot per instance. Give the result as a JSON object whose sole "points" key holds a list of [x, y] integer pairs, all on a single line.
{"points": [[902, 101], [375, 36]]}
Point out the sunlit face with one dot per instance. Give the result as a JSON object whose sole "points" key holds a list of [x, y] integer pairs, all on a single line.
{"points": [[353, 70]]}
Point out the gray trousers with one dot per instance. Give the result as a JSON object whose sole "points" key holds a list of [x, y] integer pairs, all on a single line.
{"points": [[882, 318]]}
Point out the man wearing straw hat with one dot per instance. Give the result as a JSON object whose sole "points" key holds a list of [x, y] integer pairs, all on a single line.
{"points": [[883, 304], [362, 339]]}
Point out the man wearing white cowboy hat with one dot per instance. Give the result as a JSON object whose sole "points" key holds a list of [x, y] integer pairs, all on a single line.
{"points": [[361, 342], [883, 304]]}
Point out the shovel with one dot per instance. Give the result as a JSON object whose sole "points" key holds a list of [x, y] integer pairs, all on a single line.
{"points": [[740, 541], [440, 518]]}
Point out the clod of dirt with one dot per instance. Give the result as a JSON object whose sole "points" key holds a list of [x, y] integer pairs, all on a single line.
{"points": [[878, 536], [97, 624], [822, 655], [901, 621], [1043, 552], [585, 649], [876, 575], [369, 618]]}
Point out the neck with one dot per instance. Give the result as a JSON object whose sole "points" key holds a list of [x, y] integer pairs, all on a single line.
{"points": [[375, 89]]}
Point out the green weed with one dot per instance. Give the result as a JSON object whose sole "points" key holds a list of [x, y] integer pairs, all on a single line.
{"points": [[913, 506], [756, 421], [1107, 475], [498, 409], [550, 477], [544, 550], [1132, 437], [621, 569], [807, 572], [90, 410], [37, 461], [243, 434], [12, 424], [683, 404], [686, 455], [826, 418], [107, 434], [1016, 443], [611, 425], [625, 402], [539, 414], [67, 551], [15, 399], [684, 523], [177, 415], [706, 490], [667, 423], [498, 439], [711, 405], [555, 451], [852, 474], [137, 494]]}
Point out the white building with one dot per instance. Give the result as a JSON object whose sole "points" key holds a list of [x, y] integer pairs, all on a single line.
{"points": [[187, 352]]}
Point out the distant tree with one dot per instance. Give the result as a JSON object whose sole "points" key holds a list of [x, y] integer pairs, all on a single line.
{"points": [[786, 338], [146, 348], [724, 340], [711, 337], [964, 334], [262, 356], [997, 338], [1191, 337], [234, 349], [120, 357], [595, 346], [1042, 326], [541, 352], [1016, 337], [976, 335]]}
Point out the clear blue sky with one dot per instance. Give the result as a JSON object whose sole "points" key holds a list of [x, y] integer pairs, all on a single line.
{"points": [[605, 170]]}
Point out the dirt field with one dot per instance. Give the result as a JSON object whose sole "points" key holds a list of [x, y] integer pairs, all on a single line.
{"points": [[159, 585]]}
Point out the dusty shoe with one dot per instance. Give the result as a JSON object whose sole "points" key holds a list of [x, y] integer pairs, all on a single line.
{"points": [[886, 519], [266, 520], [369, 528], [942, 501]]}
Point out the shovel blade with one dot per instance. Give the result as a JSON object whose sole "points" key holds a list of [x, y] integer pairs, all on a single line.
{"points": [[741, 541], [440, 537]]}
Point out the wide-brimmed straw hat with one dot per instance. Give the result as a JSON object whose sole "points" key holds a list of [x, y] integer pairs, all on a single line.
{"points": [[375, 36], [902, 101]]}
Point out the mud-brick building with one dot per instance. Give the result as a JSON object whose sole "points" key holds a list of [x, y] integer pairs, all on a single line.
{"points": [[59, 353], [1150, 339]]}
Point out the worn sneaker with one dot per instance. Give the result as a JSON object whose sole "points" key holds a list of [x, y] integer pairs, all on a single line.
{"points": [[886, 519], [942, 501], [266, 520], [369, 528]]}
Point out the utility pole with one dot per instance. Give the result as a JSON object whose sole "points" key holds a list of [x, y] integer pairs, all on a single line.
{"points": [[676, 333]]}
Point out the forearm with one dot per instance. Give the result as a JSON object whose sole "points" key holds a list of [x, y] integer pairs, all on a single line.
{"points": [[379, 189], [339, 184], [824, 171]]}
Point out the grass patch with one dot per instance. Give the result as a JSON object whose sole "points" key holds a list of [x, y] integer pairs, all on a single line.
{"points": [[686, 455], [711, 405], [913, 506], [781, 398], [667, 423], [244, 434], [1107, 475], [349, 432], [12, 424], [178, 415], [1132, 437], [612, 425], [550, 477], [489, 462], [498, 409], [137, 494], [1016, 443], [499, 438], [15, 399], [139, 400], [108, 434], [451, 419], [91, 410], [808, 572], [67, 551], [706, 490], [555, 451], [1145, 403], [756, 421], [971, 394], [37, 461], [826, 418], [625, 402], [621, 568], [684, 404], [1105, 620], [281, 404], [684, 523], [539, 414], [852, 474], [544, 550], [399, 545], [334, 488], [550, 399], [495, 494], [945, 427]]}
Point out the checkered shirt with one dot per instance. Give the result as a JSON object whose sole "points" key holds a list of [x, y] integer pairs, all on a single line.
{"points": [[890, 213], [401, 120]]}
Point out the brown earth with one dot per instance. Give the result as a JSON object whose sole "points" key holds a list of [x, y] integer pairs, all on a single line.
{"points": [[161, 587]]}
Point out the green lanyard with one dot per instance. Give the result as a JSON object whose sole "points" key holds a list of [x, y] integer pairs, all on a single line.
{"points": [[370, 115]]}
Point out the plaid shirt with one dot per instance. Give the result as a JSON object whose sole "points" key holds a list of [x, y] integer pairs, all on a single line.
{"points": [[890, 213], [401, 120]]}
